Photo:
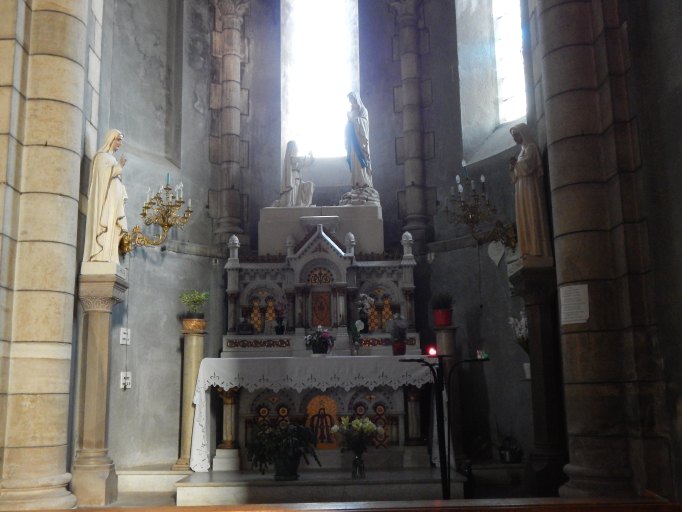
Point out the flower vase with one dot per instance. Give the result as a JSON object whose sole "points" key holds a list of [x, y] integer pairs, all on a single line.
{"points": [[358, 467]]}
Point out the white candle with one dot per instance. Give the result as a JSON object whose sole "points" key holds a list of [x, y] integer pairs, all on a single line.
{"points": [[168, 178], [189, 203]]}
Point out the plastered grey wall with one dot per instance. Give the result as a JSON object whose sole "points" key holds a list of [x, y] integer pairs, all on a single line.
{"points": [[155, 89]]}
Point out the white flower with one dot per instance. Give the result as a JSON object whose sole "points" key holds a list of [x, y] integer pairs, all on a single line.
{"points": [[359, 325], [520, 325]]}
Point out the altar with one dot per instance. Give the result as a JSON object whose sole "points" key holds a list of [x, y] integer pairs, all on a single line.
{"points": [[298, 374]]}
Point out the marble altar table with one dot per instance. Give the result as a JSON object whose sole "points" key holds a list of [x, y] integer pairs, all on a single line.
{"points": [[297, 373]]}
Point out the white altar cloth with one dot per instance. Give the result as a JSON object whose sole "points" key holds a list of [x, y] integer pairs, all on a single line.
{"points": [[296, 373]]}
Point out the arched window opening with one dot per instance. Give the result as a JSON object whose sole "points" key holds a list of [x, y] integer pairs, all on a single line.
{"points": [[511, 86], [319, 68]]}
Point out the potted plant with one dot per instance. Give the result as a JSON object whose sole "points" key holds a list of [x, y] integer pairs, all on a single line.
{"points": [[510, 451], [399, 335], [441, 304], [194, 301], [321, 341], [281, 309], [282, 446]]}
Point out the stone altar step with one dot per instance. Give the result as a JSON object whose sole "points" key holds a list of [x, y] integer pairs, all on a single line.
{"points": [[316, 486]]}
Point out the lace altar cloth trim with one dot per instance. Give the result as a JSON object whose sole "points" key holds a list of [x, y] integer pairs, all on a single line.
{"points": [[297, 373]]}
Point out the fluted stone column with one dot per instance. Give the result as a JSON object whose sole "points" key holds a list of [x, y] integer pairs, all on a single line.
{"points": [[42, 81], [192, 355], [94, 476], [227, 203], [416, 213], [611, 365]]}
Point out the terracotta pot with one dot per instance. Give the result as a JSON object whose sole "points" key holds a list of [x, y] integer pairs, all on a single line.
{"points": [[442, 317], [399, 348], [193, 324]]}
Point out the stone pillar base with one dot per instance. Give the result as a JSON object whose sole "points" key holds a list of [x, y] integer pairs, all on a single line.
{"points": [[95, 484], [181, 465], [37, 494], [226, 460], [589, 483], [545, 471]]}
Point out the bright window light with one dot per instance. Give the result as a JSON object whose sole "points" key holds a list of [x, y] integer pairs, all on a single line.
{"points": [[511, 83], [322, 71]]}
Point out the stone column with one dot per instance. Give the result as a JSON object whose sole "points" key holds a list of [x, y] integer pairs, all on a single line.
{"points": [[192, 355], [413, 427], [229, 398], [229, 50], [537, 286], [407, 13], [340, 316], [612, 369], [41, 139], [94, 476], [227, 452], [232, 269]]}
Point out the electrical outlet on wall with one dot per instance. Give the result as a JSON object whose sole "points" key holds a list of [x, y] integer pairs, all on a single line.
{"points": [[125, 336], [126, 380]]}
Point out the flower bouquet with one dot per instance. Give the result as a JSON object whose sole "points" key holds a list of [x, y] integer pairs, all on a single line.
{"points": [[355, 436], [520, 327], [321, 341]]}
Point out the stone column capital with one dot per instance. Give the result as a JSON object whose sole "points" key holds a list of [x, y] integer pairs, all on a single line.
{"points": [[232, 12], [99, 292], [407, 11]]}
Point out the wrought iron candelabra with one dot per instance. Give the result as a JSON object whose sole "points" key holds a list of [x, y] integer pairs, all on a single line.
{"points": [[161, 209], [471, 206]]}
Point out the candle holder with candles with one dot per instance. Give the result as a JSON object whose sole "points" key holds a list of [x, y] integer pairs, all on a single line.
{"points": [[470, 205], [161, 209]]}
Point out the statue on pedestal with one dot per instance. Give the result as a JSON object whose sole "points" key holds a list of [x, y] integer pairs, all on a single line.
{"points": [[294, 191], [531, 215], [357, 155], [106, 220]]}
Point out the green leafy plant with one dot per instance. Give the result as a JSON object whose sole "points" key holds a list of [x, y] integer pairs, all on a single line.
{"points": [[285, 441], [194, 300], [442, 300]]}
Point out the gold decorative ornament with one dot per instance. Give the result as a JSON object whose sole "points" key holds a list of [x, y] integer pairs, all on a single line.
{"points": [[468, 205], [161, 210]]}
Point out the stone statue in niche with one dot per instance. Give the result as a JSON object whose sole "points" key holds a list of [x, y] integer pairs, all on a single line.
{"points": [[532, 223], [106, 220], [358, 155], [294, 191]]}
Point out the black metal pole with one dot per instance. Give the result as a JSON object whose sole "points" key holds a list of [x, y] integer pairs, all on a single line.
{"points": [[440, 423]]}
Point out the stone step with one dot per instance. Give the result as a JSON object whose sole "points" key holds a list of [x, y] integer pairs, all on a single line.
{"points": [[314, 485]]}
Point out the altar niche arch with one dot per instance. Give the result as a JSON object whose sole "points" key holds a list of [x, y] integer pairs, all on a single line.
{"points": [[255, 304], [321, 302], [389, 301]]}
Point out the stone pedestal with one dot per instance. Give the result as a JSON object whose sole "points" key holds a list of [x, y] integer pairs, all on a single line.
{"points": [[537, 286], [94, 476], [191, 360]]}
